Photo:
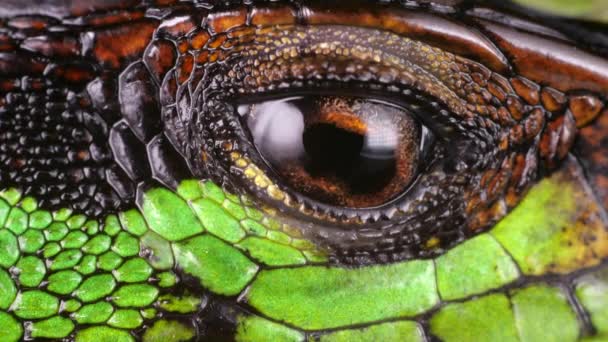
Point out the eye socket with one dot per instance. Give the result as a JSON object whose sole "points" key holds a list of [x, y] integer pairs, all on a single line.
{"points": [[254, 121], [341, 151]]}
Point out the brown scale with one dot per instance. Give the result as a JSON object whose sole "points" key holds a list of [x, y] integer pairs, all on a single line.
{"points": [[176, 27], [553, 100], [6, 43], [556, 142], [54, 46], [527, 89], [224, 21], [31, 23], [184, 68], [113, 46], [585, 108], [265, 15], [160, 58], [74, 73], [117, 17], [198, 39], [592, 148]]}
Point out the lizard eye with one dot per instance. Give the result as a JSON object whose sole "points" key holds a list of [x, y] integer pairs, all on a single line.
{"points": [[341, 151], [376, 144], [351, 135]]}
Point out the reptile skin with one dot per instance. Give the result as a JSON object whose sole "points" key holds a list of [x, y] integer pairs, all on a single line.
{"points": [[135, 206]]}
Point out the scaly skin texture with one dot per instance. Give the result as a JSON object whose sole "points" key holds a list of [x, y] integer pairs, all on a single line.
{"points": [[135, 207]]}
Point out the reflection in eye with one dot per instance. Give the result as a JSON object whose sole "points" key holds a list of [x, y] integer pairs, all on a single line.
{"points": [[342, 151]]}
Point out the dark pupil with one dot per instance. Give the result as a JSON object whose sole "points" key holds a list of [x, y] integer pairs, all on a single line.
{"points": [[339, 151], [344, 155]]}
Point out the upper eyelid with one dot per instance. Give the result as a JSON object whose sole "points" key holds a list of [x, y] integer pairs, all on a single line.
{"points": [[446, 34], [535, 52], [419, 76], [544, 57], [499, 47]]}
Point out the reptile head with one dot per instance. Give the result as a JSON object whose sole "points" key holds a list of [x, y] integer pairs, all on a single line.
{"points": [[301, 170]]}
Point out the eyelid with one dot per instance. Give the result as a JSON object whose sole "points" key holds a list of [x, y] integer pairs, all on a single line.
{"points": [[443, 33], [376, 60], [479, 36]]}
